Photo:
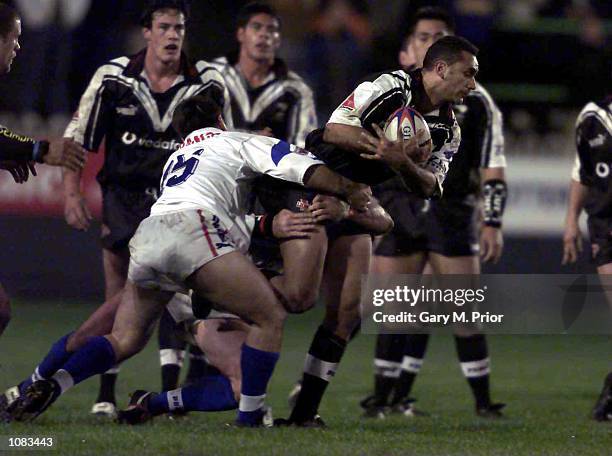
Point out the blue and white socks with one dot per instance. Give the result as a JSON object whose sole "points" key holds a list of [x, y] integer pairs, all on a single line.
{"points": [[257, 367]]}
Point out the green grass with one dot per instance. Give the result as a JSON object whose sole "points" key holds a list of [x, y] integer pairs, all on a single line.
{"points": [[549, 383]]}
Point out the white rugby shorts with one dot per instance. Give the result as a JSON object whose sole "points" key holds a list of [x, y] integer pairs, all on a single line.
{"points": [[168, 248]]}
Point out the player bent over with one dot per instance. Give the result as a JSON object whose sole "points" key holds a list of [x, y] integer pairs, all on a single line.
{"points": [[195, 239]]}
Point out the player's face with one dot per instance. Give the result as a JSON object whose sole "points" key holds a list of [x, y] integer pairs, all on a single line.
{"points": [[459, 77], [426, 33], [260, 37], [9, 46], [166, 35]]}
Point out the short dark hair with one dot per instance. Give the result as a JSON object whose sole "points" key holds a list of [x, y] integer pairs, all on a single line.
{"points": [[432, 13], [252, 9], [449, 50], [429, 13], [8, 16], [152, 6], [197, 112]]}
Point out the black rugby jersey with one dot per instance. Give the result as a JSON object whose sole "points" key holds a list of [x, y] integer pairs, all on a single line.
{"points": [[284, 103], [594, 159], [14, 146], [374, 100], [135, 122], [482, 144]]}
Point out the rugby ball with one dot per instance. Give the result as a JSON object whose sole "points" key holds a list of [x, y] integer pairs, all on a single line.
{"points": [[405, 123]]}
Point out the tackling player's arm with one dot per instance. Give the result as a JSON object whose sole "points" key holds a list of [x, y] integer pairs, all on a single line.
{"points": [[374, 218], [320, 177]]}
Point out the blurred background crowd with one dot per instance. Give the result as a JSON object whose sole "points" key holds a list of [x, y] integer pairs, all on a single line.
{"points": [[540, 59]]}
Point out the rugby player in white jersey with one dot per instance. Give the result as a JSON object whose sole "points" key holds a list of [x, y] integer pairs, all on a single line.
{"points": [[196, 238]]}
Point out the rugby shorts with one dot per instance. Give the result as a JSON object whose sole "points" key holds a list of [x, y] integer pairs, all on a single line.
{"points": [[447, 227], [168, 248], [601, 240], [122, 212]]}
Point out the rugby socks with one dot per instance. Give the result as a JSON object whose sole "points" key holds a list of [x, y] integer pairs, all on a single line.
{"points": [[171, 352], [212, 393], [387, 364], [474, 359], [55, 359], [95, 357], [198, 366], [171, 361], [322, 361], [257, 367], [108, 380], [414, 352]]}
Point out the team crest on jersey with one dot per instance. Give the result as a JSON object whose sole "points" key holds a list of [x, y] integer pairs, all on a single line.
{"points": [[302, 204], [349, 103], [127, 111], [597, 140]]}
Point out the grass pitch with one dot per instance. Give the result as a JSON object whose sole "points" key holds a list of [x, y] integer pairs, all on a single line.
{"points": [[548, 382]]}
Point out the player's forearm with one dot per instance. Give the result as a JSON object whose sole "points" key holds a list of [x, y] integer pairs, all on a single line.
{"points": [[494, 195], [20, 148], [323, 179], [575, 202], [71, 181], [375, 219], [418, 179], [345, 136]]}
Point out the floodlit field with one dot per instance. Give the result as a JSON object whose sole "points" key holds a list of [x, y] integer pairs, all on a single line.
{"points": [[549, 383]]}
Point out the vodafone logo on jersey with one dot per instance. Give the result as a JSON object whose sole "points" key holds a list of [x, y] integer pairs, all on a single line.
{"points": [[130, 139]]}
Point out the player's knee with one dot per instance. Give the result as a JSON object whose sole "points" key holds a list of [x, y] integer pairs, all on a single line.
{"points": [[299, 299], [78, 339], [272, 317], [127, 344]]}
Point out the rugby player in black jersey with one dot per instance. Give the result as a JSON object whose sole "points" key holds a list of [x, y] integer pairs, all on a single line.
{"points": [[447, 233], [19, 153], [352, 143], [591, 190]]}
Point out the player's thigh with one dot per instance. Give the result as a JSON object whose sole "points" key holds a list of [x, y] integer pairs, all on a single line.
{"points": [[402, 264], [116, 263], [98, 324], [442, 264], [303, 261], [139, 310], [605, 270], [348, 259], [235, 285]]}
